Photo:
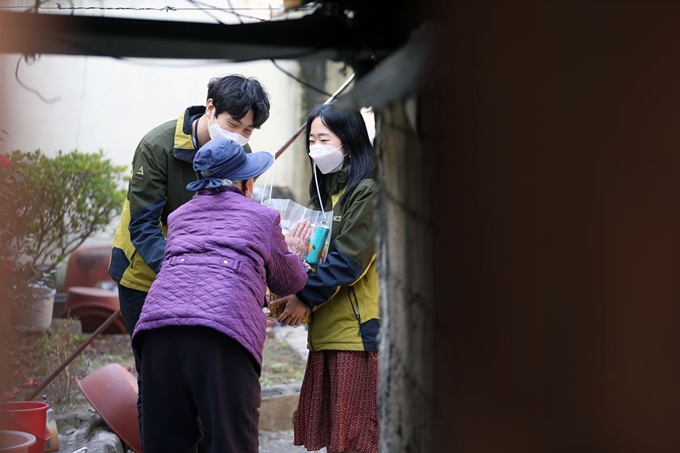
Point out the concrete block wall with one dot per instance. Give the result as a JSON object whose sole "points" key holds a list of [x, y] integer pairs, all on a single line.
{"points": [[405, 248]]}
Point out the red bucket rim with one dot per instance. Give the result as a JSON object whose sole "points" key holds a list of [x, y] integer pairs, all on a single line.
{"points": [[25, 407], [7, 406]]}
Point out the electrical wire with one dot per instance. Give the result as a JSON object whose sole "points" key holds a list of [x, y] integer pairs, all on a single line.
{"points": [[232, 7], [308, 7], [300, 81], [107, 8], [26, 87], [207, 13], [59, 6], [206, 7]]}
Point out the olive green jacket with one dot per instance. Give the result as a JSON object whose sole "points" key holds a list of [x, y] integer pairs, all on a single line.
{"points": [[343, 292], [161, 169]]}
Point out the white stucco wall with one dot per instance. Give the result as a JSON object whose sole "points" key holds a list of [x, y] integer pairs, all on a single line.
{"points": [[109, 104]]}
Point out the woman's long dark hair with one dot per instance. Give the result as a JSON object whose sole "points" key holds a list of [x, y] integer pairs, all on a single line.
{"points": [[351, 129]]}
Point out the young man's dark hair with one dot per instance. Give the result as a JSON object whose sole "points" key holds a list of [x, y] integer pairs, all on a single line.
{"points": [[237, 94]]}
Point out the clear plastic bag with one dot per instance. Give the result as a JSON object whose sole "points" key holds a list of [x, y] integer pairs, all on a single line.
{"points": [[292, 212]]}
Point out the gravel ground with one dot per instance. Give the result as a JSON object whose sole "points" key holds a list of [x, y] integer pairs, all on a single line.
{"points": [[282, 364]]}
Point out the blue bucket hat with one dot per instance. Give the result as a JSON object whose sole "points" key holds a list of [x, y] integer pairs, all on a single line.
{"points": [[221, 159]]}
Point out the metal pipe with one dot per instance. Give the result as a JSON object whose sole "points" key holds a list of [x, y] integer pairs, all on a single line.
{"points": [[73, 355]]}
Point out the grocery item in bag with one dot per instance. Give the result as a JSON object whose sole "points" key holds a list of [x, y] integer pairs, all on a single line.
{"points": [[317, 243], [292, 212]]}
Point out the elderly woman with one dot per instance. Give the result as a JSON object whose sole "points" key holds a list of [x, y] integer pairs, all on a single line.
{"points": [[202, 329]]}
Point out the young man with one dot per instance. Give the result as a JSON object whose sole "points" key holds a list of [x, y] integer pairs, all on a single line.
{"points": [[161, 169]]}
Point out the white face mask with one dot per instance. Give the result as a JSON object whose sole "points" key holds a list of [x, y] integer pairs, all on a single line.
{"points": [[216, 131], [327, 158]]}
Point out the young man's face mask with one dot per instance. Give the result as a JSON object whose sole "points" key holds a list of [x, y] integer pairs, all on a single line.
{"points": [[216, 131]]}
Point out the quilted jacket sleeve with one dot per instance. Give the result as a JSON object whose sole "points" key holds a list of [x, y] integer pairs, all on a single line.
{"points": [[285, 272]]}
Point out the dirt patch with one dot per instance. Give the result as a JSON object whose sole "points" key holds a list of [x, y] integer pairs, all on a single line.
{"points": [[32, 357], [281, 364]]}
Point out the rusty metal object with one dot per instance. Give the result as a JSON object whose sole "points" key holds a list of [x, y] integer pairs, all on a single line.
{"points": [[92, 306]]}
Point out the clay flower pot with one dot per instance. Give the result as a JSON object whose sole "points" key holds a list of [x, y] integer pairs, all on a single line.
{"points": [[112, 391], [36, 313]]}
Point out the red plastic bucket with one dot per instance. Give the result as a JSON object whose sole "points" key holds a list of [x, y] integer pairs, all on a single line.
{"points": [[15, 441], [29, 417]]}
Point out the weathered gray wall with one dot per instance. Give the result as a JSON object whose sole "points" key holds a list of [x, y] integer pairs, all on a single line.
{"points": [[405, 250]]}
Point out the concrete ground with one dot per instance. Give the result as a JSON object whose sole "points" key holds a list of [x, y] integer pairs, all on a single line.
{"points": [[296, 337], [93, 436], [279, 442]]}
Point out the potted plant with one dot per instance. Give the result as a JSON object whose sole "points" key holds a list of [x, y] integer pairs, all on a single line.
{"points": [[54, 204], [15, 210]]}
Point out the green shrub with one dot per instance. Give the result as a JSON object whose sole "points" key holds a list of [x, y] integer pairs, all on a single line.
{"points": [[50, 206]]}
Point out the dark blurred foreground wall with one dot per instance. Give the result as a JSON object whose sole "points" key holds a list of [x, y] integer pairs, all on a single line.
{"points": [[531, 233]]}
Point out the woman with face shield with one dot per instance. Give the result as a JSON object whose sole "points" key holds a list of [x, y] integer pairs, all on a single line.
{"points": [[338, 401]]}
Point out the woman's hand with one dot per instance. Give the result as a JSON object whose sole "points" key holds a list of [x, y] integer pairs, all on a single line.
{"points": [[295, 311], [298, 238]]}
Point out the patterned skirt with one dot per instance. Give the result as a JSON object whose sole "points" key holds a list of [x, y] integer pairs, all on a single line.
{"points": [[338, 406]]}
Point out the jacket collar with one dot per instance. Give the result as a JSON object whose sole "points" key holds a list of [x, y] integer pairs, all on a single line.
{"points": [[184, 147], [335, 182]]}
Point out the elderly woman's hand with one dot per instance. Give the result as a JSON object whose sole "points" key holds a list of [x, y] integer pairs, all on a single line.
{"points": [[295, 311], [298, 238]]}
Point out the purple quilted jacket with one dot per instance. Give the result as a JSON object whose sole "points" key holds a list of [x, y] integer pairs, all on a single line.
{"points": [[223, 250]]}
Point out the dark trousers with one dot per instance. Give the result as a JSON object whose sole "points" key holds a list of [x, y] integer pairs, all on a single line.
{"points": [[131, 303], [192, 373]]}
